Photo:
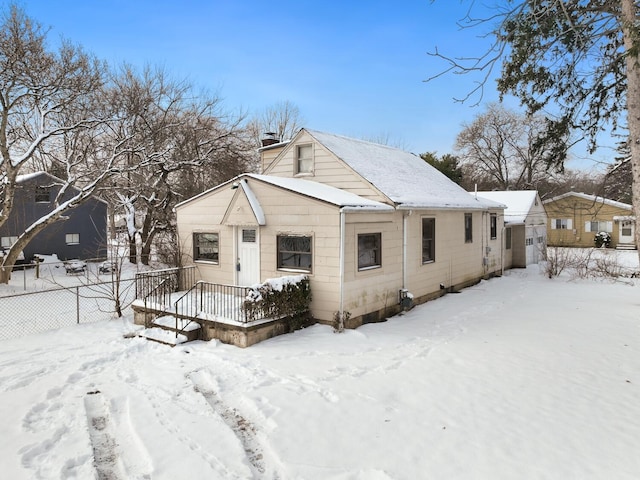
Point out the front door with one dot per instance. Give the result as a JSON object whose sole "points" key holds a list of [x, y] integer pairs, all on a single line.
{"points": [[248, 261], [627, 231]]}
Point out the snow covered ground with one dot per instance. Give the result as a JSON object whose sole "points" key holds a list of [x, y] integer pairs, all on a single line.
{"points": [[518, 377]]}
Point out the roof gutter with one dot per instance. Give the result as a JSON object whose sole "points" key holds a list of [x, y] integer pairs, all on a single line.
{"points": [[462, 207]]}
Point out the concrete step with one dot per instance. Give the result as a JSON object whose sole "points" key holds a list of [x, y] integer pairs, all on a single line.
{"points": [[164, 331], [625, 246]]}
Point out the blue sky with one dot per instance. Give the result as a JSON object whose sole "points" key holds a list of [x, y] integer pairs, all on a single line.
{"points": [[354, 68]]}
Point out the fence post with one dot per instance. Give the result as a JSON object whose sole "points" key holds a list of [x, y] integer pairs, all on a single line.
{"points": [[78, 304]]}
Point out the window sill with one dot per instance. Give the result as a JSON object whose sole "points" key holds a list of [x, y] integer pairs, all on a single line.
{"points": [[428, 262], [209, 262], [294, 270], [366, 269], [304, 174]]}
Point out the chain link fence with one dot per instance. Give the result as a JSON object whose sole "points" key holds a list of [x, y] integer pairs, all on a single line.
{"points": [[35, 312]]}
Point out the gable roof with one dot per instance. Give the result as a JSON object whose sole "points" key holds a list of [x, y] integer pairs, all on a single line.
{"points": [[318, 191], [518, 203], [26, 177], [406, 179], [591, 198]]}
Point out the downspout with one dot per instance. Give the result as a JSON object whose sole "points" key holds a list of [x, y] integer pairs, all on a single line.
{"points": [[405, 221], [503, 247], [342, 247]]}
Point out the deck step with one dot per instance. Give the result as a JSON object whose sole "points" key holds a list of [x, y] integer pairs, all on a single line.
{"points": [[161, 335], [164, 331], [625, 246]]}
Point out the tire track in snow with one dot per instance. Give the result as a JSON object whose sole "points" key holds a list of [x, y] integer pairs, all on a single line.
{"points": [[118, 452], [242, 428], [106, 458], [157, 406], [51, 418]]}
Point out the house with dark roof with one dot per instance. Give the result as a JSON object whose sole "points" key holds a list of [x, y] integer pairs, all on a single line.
{"points": [[374, 228], [81, 233]]}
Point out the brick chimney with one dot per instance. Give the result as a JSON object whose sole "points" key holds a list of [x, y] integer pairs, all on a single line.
{"points": [[269, 138]]}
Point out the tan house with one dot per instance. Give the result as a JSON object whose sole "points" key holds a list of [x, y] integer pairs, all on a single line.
{"points": [[525, 224], [575, 219], [374, 228]]}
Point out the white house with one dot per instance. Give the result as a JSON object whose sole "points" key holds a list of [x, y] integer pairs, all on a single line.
{"points": [[525, 223], [372, 226]]}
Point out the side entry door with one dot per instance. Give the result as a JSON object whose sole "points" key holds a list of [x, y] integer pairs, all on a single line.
{"points": [[248, 261]]}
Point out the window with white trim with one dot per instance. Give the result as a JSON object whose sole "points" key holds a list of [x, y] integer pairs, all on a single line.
{"points": [[493, 225], [206, 247], [369, 251], [428, 240], [561, 224], [72, 238], [598, 226], [6, 242], [528, 241], [468, 227], [304, 158]]}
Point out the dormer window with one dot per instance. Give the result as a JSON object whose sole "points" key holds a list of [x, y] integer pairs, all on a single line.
{"points": [[304, 158], [43, 194]]}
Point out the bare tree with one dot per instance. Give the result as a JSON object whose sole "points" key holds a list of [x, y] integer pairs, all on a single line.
{"points": [[577, 58], [282, 119], [177, 136], [502, 148], [45, 103]]}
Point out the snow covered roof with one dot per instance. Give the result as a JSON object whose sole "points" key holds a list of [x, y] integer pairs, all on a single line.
{"points": [[403, 177], [591, 198], [321, 191], [316, 190], [518, 203], [28, 176]]}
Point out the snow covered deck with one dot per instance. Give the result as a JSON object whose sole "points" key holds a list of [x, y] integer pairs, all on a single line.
{"points": [[230, 313]]}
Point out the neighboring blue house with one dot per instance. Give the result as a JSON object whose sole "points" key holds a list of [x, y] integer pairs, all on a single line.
{"points": [[82, 233]]}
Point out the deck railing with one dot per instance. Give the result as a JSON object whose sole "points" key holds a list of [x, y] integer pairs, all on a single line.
{"points": [[213, 300], [156, 287]]}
